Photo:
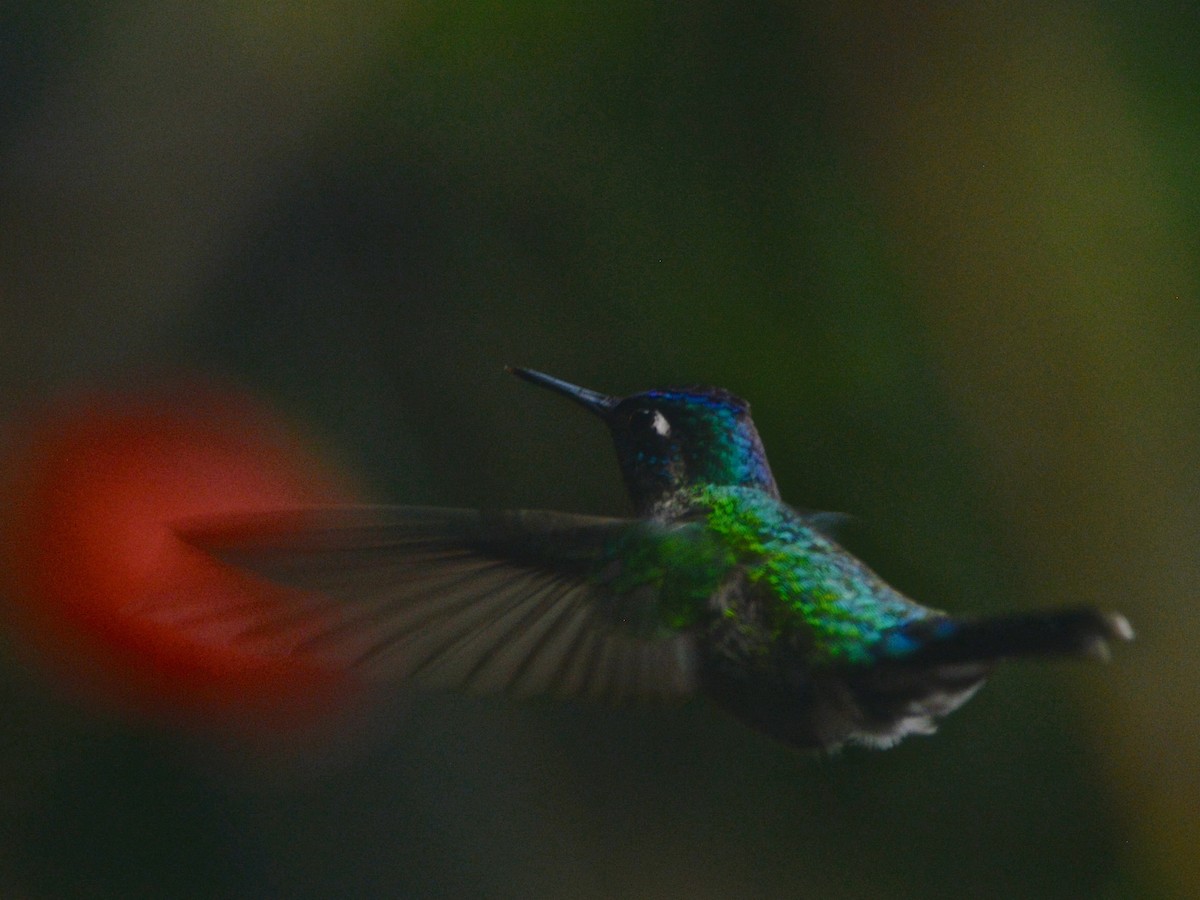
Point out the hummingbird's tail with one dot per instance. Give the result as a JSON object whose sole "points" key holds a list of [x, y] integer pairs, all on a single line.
{"points": [[920, 672], [926, 668], [1069, 632]]}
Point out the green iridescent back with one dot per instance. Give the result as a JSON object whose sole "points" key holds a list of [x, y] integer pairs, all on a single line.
{"points": [[743, 560], [815, 595]]}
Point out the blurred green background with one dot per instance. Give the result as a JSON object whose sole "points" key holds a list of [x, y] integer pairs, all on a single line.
{"points": [[951, 255]]}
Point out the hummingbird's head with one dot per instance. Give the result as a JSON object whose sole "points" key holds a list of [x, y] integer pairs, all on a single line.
{"points": [[670, 439]]}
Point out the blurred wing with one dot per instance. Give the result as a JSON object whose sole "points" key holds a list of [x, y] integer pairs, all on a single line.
{"points": [[516, 601]]}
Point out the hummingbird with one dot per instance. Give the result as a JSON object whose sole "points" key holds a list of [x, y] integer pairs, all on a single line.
{"points": [[713, 587]]}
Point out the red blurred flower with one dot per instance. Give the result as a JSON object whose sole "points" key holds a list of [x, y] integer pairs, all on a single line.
{"points": [[93, 487]]}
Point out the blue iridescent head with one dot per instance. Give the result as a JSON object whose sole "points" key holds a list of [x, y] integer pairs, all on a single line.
{"points": [[671, 439]]}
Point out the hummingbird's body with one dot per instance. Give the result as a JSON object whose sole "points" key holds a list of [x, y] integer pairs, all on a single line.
{"points": [[718, 587], [793, 621]]}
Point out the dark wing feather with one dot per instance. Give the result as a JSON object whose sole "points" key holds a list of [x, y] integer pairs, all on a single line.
{"points": [[515, 601]]}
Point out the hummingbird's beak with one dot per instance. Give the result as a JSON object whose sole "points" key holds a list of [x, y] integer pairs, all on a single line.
{"points": [[600, 404]]}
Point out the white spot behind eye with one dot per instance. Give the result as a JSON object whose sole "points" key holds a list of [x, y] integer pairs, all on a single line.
{"points": [[660, 424]]}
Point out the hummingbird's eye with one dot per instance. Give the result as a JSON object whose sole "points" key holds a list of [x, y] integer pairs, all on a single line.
{"points": [[649, 420]]}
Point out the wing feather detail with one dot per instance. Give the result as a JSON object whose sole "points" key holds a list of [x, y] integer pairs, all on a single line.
{"points": [[516, 602]]}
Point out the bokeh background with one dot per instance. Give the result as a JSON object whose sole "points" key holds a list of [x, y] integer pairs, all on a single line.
{"points": [[950, 253]]}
